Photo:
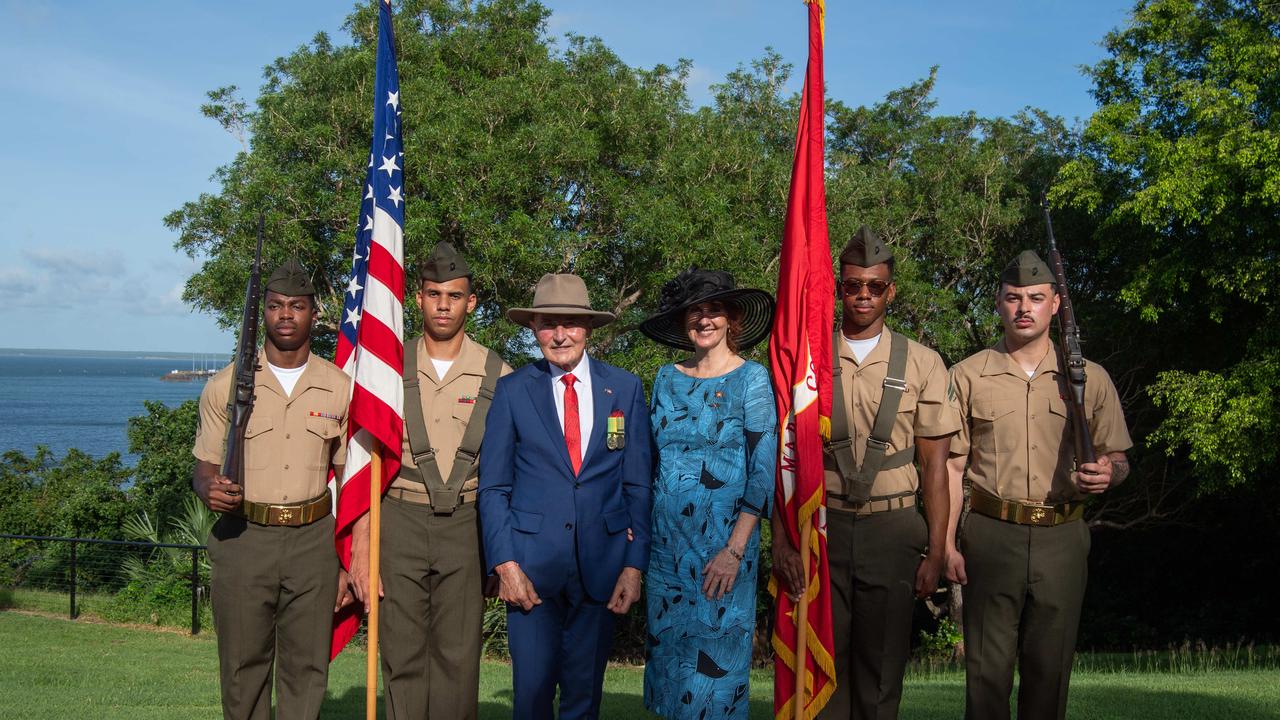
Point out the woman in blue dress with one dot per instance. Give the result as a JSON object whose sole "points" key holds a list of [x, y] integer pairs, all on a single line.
{"points": [[715, 430]]}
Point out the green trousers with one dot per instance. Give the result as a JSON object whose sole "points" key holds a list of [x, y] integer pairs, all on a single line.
{"points": [[1022, 603], [273, 595], [873, 561], [431, 615]]}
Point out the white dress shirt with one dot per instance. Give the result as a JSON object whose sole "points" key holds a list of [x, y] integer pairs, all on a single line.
{"points": [[586, 402]]}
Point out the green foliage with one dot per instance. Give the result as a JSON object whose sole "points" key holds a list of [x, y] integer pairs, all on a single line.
{"points": [[77, 496], [1181, 164], [164, 601], [162, 439], [1221, 417], [192, 527], [159, 588], [955, 196], [940, 645], [493, 629]]}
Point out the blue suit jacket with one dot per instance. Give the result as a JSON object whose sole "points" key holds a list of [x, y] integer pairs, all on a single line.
{"points": [[532, 508]]}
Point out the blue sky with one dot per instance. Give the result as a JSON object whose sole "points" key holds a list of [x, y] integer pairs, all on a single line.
{"points": [[102, 134]]}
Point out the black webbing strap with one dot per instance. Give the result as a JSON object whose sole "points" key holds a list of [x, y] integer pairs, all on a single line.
{"points": [[444, 496], [858, 481]]}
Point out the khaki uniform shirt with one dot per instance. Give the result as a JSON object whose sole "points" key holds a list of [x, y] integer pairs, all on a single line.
{"points": [[1016, 430], [446, 407], [290, 441], [923, 412]]}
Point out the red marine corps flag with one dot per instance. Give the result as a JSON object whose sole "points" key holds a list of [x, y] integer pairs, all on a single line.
{"points": [[800, 359]]}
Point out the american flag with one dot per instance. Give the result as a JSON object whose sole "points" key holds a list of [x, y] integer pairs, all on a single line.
{"points": [[371, 339]]}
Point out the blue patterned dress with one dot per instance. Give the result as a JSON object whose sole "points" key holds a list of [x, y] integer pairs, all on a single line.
{"points": [[717, 441]]}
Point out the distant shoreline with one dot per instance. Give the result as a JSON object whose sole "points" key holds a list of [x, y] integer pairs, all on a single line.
{"points": [[115, 354]]}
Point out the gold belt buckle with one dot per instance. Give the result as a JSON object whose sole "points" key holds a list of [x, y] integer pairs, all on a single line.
{"points": [[1041, 515]]}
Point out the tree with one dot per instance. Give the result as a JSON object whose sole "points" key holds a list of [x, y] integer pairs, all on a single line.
{"points": [[76, 496], [955, 196], [162, 439], [1181, 165]]}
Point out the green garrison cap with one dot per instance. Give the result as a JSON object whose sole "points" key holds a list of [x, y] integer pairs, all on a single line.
{"points": [[1026, 269], [444, 264], [291, 279], [865, 249]]}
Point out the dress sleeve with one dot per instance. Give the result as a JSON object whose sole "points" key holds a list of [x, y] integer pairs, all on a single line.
{"points": [[1108, 427], [760, 423], [211, 432], [958, 396], [936, 415]]}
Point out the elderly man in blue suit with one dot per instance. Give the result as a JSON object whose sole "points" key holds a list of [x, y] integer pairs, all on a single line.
{"points": [[565, 475]]}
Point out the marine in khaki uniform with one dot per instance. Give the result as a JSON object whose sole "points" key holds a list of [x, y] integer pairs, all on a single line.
{"points": [[432, 576], [1023, 551], [882, 551], [275, 570]]}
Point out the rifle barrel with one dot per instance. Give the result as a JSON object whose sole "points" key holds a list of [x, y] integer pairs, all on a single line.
{"points": [[1070, 354]]}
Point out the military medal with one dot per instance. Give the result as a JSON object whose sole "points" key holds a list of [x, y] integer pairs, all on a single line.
{"points": [[616, 434]]}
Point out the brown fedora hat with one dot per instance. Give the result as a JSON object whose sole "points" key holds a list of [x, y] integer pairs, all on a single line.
{"points": [[561, 294]]}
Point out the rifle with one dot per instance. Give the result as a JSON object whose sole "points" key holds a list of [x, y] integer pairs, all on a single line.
{"points": [[240, 400], [1069, 353]]}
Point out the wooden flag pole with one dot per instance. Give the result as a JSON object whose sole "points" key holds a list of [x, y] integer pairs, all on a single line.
{"points": [[375, 557], [802, 624]]}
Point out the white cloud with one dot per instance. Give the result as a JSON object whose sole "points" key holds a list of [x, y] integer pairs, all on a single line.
{"points": [[51, 279], [75, 262]]}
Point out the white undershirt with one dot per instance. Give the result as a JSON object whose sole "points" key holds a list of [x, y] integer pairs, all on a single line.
{"points": [[442, 367], [862, 348], [288, 377], [586, 403]]}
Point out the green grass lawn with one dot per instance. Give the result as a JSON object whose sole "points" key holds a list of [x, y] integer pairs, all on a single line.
{"points": [[56, 668]]}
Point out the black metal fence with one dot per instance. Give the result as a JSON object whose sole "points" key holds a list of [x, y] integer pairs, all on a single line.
{"points": [[120, 580]]}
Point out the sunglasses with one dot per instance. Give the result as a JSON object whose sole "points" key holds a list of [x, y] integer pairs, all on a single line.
{"points": [[854, 287]]}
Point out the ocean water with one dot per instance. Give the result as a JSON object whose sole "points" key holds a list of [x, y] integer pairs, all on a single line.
{"points": [[66, 399]]}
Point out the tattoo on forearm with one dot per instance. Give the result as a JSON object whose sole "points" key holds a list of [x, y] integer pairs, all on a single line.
{"points": [[1119, 471]]}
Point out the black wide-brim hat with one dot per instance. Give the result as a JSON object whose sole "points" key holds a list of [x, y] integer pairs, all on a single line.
{"points": [[693, 287]]}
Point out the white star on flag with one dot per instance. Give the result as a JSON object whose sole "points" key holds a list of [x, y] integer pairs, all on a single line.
{"points": [[389, 164], [353, 317], [354, 287], [395, 196], [368, 222], [393, 99]]}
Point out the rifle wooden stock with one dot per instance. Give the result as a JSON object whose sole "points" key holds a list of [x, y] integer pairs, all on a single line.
{"points": [[1070, 355]]}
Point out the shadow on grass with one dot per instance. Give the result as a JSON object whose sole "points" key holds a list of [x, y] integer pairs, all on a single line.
{"points": [[934, 702], [613, 705], [351, 705], [1114, 703]]}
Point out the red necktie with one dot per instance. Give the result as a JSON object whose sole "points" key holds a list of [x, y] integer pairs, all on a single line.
{"points": [[572, 430]]}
